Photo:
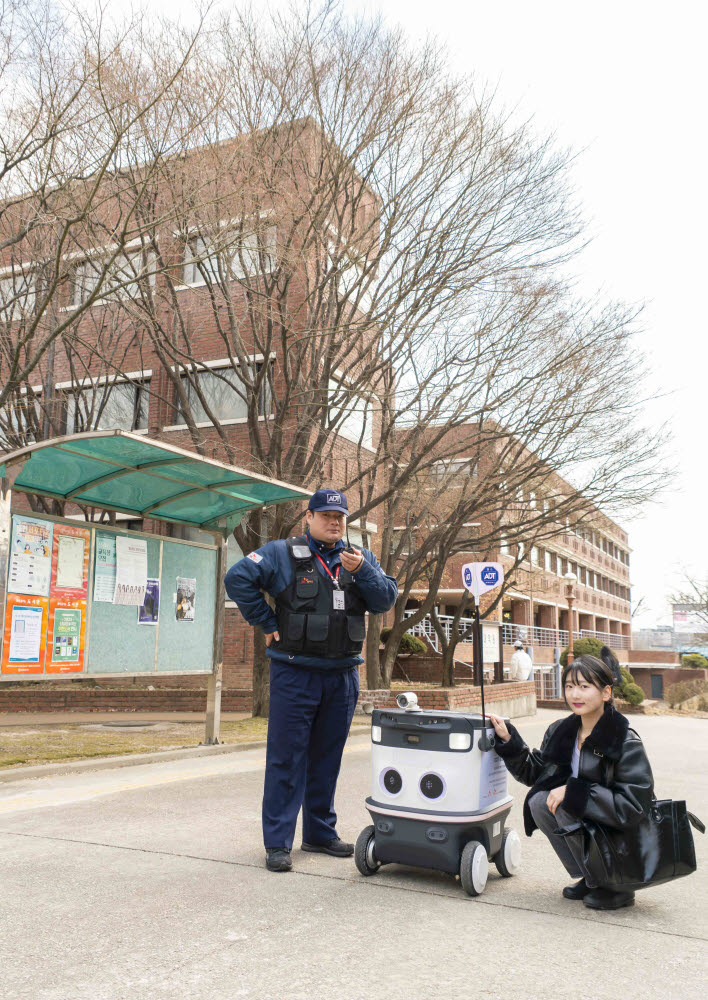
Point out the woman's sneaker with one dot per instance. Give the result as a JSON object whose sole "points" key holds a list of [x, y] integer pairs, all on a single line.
{"points": [[577, 891], [606, 899]]}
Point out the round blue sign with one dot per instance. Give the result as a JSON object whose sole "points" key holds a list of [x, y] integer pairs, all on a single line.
{"points": [[490, 576], [467, 576]]}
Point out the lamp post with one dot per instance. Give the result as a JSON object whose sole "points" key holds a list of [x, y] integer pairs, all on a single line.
{"points": [[570, 579]]}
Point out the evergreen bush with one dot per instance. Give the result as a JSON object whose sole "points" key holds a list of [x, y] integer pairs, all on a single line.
{"points": [[408, 644], [632, 693], [695, 660], [581, 647]]}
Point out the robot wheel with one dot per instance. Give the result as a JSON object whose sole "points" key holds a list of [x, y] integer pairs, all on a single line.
{"points": [[474, 868], [365, 852], [508, 857]]}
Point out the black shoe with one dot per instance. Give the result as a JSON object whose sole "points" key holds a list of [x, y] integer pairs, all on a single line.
{"points": [[606, 899], [577, 891], [337, 848], [278, 859]]}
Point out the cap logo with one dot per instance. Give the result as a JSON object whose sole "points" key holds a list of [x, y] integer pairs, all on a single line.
{"points": [[333, 498]]}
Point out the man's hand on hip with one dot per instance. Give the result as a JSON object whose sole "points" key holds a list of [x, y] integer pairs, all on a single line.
{"points": [[352, 561], [270, 636]]}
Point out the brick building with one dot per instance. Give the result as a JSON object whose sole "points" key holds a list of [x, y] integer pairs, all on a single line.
{"points": [[227, 320]]}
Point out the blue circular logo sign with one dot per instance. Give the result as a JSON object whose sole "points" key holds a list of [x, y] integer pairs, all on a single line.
{"points": [[490, 576], [467, 577]]}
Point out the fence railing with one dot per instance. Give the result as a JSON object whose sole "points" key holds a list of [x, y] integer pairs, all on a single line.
{"points": [[530, 635]]}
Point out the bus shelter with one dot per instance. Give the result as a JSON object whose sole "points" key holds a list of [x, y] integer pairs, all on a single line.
{"points": [[87, 599]]}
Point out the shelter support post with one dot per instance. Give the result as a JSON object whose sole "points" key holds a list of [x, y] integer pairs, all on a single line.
{"points": [[213, 708]]}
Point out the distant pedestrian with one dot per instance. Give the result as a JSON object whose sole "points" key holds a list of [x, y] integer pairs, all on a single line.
{"points": [[591, 765], [521, 663]]}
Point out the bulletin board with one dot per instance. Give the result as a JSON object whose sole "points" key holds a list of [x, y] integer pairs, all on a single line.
{"points": [[61, 616]]}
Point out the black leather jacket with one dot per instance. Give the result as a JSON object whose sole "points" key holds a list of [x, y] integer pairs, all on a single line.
{"points": [[614, 786]]}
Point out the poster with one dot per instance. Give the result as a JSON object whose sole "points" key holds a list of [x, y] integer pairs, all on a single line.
{"points": [[186, 598], [66, 635], [70, 562], [25, 633], [131, 570], [104, 577], [30, 556], [149, 610]]}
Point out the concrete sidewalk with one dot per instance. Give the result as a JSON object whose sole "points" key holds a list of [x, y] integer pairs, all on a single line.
{"points": [[148, 884]]}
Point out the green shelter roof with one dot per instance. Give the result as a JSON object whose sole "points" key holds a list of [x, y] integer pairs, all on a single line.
{"points": [[136, 475]]}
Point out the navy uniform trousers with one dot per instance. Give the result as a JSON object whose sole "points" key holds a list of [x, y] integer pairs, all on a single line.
{"points": [[308, 723]]}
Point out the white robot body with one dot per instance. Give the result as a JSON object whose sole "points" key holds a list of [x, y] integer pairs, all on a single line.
{"points": [[439, 796]]}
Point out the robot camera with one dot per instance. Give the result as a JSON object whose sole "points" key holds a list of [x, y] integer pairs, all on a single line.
{"points": [[409, 701]]}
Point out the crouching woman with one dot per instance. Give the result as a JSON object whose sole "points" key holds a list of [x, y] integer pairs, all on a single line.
{"points": [[591, 765]]}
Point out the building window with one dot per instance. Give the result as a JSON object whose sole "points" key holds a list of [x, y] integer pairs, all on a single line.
{"points": [[84, 276], [350, 415], [450, 468], [224, 393], [231, 255], [17, 296], [122, 405], [20, 420], [535, 556]]}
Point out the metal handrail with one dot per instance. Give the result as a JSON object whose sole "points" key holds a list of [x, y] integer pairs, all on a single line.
{"points": [[531, 635]]}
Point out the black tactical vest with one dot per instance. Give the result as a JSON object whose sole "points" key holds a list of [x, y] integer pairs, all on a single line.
{"points": [[308, 622]]}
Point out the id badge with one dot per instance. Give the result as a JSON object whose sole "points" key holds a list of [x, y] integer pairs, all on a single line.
{"points": [[338, 600]]}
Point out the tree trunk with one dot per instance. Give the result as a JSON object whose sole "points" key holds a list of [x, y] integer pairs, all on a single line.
{"points": [[261, 675], [448, 666], [374, 679]]}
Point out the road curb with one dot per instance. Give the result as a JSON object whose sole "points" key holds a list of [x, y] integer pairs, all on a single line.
{"points": [[21, 773]]}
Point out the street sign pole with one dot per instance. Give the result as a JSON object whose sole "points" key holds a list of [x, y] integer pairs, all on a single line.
{"points": [[479, 578]]}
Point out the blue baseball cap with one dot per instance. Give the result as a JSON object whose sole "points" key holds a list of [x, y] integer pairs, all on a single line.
{"points": [[328, 500]]}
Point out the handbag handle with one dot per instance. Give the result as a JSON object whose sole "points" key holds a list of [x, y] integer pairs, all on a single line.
{"points": [[695, 822]]}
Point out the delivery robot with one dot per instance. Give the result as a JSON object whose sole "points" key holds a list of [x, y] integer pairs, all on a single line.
{"points": [[439, 796]]}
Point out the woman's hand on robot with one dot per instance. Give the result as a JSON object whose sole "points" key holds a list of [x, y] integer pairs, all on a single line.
{"points": [[500, 728]]}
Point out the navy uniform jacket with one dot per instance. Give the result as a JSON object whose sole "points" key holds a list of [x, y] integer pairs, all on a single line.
{"points": [[269, 568]]}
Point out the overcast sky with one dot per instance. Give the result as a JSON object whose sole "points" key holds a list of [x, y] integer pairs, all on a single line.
{"points": [[623, 83]]}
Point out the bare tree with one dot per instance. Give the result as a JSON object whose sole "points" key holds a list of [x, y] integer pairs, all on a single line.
{"points": [[88, 111], [371, 251]]}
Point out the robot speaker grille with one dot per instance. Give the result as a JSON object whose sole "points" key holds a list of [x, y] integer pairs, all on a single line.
{"points": [[392, 781], [431, 785]]}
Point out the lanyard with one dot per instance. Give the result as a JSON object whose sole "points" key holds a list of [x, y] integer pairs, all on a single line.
{"points": [[334, 577]]}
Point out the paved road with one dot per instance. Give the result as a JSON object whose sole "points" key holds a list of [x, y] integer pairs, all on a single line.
{"points": [[147, 883]]}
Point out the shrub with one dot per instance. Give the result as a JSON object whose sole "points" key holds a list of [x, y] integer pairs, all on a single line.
{"points": [[702, 705], [582, 646], [633, 694], [695, 660], [626, 676], [408, 644], [683, 690]]}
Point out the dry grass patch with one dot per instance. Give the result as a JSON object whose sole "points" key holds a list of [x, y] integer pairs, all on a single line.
{"points": [[28, 745]]}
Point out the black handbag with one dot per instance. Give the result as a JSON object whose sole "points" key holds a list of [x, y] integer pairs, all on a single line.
{"points": [[657, 849]]}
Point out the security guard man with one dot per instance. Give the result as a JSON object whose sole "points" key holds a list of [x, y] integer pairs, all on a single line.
{"points": [[322, 591]]}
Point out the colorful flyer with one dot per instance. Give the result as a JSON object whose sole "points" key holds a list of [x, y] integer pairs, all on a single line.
{"points": [[66, 636], [104, 576], [30, 556], [186, 598], [25, 630], [149, 610], [131, 570]]}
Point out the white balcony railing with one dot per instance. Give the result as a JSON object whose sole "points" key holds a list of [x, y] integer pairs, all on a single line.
{"points": [[530, 635]]}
